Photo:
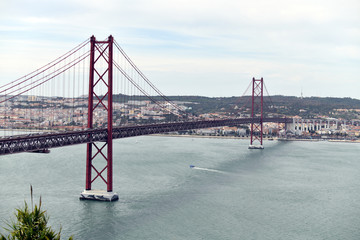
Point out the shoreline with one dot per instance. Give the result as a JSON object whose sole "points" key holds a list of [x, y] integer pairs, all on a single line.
{"points": [[265, 139]]}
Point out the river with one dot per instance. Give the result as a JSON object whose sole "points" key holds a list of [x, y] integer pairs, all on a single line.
{"points": [[289, 190]]}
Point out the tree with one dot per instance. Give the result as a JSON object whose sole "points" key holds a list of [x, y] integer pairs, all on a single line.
{"points": [[30, 225]]}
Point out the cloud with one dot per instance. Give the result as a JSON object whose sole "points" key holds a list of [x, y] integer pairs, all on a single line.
{"points": [[291, 43]]}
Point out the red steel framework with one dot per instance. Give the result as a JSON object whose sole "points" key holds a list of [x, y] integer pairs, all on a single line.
{"points": [[100, 51], [256, 112]]}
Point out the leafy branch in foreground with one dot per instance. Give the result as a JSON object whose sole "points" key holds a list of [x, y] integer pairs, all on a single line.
{"points": [[30, 225]]}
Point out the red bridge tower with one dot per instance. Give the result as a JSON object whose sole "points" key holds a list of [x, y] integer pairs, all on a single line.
{"points": [[257, 114], [100, 77]]}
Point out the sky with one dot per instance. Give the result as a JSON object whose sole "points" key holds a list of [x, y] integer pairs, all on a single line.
{"points": [[198, 47]]}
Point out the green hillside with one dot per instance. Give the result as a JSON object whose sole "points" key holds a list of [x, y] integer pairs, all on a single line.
{"points": [[307, 107]]}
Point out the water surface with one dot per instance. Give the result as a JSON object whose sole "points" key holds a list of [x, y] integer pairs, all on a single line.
{"points": [[289, 190]]}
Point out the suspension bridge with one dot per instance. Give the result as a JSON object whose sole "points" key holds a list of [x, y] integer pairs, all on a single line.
{"points": [[94, 94]]}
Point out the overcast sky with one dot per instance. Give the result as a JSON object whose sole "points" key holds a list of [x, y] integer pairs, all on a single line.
{"points": [[198, 47]]}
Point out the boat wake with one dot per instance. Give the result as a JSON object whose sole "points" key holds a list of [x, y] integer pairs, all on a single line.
{"points": [[205, 169]]}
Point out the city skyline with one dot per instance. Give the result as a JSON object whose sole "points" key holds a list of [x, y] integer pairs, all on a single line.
{"points": [[198, 47]]}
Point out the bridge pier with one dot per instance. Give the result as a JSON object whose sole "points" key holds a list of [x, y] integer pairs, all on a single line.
{"points": [[291, 126], [101, 54], [99, 195]]}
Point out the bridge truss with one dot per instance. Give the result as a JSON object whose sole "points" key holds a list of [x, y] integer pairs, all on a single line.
{"points": [[38, 142]]}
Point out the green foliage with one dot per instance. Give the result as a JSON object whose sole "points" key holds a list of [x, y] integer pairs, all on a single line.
{"points": [[306, 107], [30, 225]]}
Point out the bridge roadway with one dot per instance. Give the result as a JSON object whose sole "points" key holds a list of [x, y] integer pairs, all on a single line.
{"points": [[41, 141]]}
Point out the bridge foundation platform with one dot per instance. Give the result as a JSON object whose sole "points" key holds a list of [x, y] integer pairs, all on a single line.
{"points": [[256, 147], [99, 195]]}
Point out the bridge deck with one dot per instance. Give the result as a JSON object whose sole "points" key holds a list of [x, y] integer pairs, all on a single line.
{"points": [[37, 142]]}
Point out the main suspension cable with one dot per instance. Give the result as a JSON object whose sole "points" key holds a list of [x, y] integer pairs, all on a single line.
{"points": [[44, 68]]}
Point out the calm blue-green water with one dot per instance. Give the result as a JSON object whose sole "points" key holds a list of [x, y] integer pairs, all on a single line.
{"points": [[289, 190]]}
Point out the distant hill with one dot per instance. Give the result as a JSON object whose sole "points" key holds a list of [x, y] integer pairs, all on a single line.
{"points": [[307, 107]]}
